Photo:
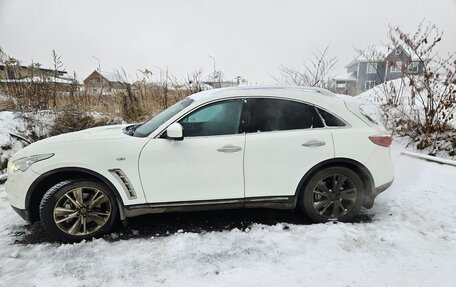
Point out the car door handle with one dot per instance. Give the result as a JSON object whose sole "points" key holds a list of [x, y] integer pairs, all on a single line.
{"points": [[229, 148], [314, 143]]}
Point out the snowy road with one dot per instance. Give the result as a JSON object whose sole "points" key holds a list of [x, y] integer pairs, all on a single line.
{"points": [[411, 241]]}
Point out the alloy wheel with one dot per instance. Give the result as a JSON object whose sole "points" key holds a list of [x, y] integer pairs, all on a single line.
{"points": [[334, 196], [82, 211]]}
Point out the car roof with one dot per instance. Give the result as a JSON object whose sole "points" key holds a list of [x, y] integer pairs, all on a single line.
{"points": [[318, 96], [285, 91]]}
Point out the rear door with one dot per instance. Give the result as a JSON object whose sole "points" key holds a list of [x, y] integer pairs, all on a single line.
{"points": [[284, 140]]}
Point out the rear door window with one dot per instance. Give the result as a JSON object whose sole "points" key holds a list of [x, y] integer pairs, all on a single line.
{"points": [[278, 115]]}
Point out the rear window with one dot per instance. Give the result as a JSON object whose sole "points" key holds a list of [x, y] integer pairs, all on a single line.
{"points": [[330, 120]]}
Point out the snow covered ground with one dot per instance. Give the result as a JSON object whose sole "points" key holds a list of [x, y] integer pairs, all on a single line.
{"points": [[411, 241], [12, 122]]}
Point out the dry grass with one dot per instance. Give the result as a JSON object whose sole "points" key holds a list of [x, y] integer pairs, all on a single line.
{"points": [[78, 111], [71, 121], [133, 106]]}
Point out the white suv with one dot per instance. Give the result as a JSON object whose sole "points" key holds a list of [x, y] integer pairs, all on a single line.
{"points": [[276, 147]]}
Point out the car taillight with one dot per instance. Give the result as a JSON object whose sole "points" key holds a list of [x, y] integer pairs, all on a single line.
{"points": [[382, 140]]}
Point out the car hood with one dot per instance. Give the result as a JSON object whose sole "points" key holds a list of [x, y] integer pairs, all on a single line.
{"points": [[93, 134]]}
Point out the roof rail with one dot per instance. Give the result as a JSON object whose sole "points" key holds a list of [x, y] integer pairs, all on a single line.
{"points": [[296, 88], [321, 91]]}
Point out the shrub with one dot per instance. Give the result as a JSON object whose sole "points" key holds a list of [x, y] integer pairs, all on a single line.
{"points": [[422, 106], [71, 121]]}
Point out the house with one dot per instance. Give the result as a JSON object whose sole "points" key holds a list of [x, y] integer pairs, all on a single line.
{"points": [[104, 83], [15, 78], [13, 71], [376, 66]]}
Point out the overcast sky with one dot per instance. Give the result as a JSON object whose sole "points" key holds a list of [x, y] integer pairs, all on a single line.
{"points": [[246, 38]]}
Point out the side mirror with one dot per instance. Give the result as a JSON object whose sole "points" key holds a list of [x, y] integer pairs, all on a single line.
{"points": [[175, 131]]}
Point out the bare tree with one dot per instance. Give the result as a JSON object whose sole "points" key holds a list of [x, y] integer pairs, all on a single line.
{"points": [[164, 90], [58, 65], [131, 109], [194, 83], [314, 73]]}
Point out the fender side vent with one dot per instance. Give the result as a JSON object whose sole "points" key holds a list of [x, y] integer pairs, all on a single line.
{"points": [[125, 182]]}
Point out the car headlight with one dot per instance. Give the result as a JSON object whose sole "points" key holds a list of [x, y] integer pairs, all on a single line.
{"points": [[24, 163]]}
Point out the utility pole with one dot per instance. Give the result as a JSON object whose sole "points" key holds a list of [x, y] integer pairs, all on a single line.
{"points": [[99, 65], [100, 80], [161, 72], [213, 59]]}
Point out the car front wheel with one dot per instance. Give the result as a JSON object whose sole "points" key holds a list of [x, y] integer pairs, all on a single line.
{"points": [[74, 210], [334, 193]]}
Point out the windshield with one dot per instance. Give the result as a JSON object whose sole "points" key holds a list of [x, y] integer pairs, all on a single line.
{"points": [[148, 127]]}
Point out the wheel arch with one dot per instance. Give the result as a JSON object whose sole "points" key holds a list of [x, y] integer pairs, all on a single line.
{"points": [[48, 179], [361, 170]]}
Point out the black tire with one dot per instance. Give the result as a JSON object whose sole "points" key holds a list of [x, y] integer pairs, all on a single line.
{"points": [[98, 219], [328, 205]]}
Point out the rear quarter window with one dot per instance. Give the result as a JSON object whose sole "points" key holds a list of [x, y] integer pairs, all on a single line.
{"points": [[330, 120]]}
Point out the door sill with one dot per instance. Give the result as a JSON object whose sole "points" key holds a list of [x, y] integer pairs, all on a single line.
{"points": [[275, 202]]}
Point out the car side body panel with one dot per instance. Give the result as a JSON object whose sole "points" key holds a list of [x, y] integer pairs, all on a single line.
{"points": [[276, 161], [381, 166], [120, 154], [193, 169], [357, 146]]}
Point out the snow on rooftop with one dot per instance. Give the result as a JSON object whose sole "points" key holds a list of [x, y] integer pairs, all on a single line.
{"points": [[377, 53], [32, 64], [112, 77], [346, 77], [374, 52], [36, 79]]}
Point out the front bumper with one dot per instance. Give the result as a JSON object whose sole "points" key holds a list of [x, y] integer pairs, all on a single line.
{"points": [[17, 185]]}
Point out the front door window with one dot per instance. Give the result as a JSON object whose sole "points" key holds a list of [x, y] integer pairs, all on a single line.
{"points": [[221, 118]]}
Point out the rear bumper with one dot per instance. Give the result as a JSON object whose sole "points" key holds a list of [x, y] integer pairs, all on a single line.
{"points": [[382, 188], [23, 213], [370, 198]]}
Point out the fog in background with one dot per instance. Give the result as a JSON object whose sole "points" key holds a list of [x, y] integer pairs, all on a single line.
{"points": [[246, 38]]}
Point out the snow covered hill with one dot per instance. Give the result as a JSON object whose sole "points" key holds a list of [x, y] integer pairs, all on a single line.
{"points": [[372, 100], [15, 123], [37, 125], [411, 241]]}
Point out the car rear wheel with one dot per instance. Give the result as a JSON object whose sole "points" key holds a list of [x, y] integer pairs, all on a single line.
{"points": [[334, 193], [74, 210]]}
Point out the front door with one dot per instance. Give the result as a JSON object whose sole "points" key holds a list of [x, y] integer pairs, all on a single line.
{"points": [[206, 165]]}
